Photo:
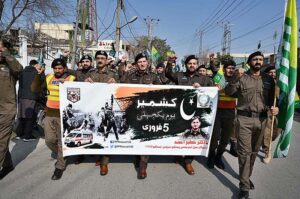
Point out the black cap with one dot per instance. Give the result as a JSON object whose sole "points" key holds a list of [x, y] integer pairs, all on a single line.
{"points": [[140, 56], [160, 65], [189, 58], [101, 52], [86, 57], [57, 62], [202, 66], [229, 63], [270, 67], [257, 53]]}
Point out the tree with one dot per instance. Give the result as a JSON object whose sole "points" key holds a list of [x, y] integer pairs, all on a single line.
{"points": [[223, 58], [12, 11], [160, 44]]}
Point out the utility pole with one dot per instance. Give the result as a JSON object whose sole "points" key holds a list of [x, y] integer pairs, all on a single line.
{"points": [[150, 21], [200, 33], [118, 29], [226, 40], [75, 36]]}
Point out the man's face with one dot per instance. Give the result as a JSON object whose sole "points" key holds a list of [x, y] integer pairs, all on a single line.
{"points": [[195, 124], [192, 65], [272, 73], [58, 71], [256, 63], [38, 66], [142, 64], [202, 71], [160, 70], [229, 71], [86, 64], [101, 61]]}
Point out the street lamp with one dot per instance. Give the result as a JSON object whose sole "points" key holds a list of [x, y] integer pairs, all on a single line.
{"points": [[118, 35]]}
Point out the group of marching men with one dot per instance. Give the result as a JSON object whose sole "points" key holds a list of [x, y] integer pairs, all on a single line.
{"points": [[245, 108]]}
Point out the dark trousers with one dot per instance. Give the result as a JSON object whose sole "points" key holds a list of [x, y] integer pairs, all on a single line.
{"points": [[250, 131], [222, 131], [25, 127], [6, 122]]}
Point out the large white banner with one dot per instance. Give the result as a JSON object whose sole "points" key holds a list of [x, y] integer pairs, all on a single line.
{"points": [[99, 118]]}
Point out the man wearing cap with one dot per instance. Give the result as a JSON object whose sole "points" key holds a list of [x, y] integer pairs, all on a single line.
{"points": [[141, 75], [105, 75], [10, 69], [52, 120], [266, 144], [224, 122], [102, 72], [160, 71], [202, 70], [255, 94], [193, 78], [86, 62], [87, 67]]}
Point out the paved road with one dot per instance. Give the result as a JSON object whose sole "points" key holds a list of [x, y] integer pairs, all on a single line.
{"points": [[34, 167]]}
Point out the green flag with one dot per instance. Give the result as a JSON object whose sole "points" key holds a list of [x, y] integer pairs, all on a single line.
{"points": [[154, 54], [287, 79], [219, 77]]}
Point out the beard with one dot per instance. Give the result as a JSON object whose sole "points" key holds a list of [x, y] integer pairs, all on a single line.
{"points": [[256, 67]]}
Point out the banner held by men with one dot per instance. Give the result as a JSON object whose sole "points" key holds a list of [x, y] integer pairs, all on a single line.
{"points": [[136, 119]]}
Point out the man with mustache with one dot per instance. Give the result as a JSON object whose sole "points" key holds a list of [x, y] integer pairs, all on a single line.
{"points": [[142, 75], [105, 75], [87, 67], [255, 93], [52, 119], [193, 78]]}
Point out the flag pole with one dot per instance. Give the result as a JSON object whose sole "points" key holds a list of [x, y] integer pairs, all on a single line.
{"points": [[272, 129]]}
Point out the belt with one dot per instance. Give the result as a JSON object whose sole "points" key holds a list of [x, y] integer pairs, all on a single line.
{"points": [[252, 114]]}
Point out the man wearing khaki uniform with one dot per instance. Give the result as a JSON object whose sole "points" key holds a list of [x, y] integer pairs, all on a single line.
{"points": [[255, 93], [105, 75], [52, 119], [10, 69]]}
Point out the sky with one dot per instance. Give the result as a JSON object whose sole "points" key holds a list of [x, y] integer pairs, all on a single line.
{"points": [[180, 20], [250, 22]]}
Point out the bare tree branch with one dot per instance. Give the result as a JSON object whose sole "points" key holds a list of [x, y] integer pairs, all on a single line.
{"points": [[45, 10]]}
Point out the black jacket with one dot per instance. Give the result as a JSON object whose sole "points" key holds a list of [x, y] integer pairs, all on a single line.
{"points": [[25, 81]]}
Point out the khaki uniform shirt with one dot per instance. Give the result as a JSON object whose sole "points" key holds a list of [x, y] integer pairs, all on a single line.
{"points": [[255, 94], [82, 75], [10, 69], [136, 77], [104, 76]]}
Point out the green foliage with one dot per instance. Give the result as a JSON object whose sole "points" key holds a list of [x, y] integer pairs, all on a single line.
{"points": [[223, 58], [160, 44]]}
